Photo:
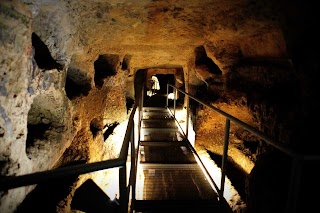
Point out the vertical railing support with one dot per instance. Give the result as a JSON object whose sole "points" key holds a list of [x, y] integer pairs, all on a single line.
{"points": [[134, 151], [293, 192], [133, 167], [123, 189], [174, 101], [142, 96], [141, 102], [140, 113], [224, 156], [187, 117], [167, 101]]}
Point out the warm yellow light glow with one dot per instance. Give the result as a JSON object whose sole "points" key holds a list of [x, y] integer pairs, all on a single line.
{"points": [[108, 180], [140, 181], [230, 193], [155, 83], [150, 93], [112, 186], [136, 128], [181, 116], [139, 172], [171, 96], [155, 87]]}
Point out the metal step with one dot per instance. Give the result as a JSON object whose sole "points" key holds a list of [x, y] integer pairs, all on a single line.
{"points": [[165, 166], [162, 129], [159, 135], [157, 116], [158, 122], [167, 155], [155, 108], [170, 206], [172, 179], [163, 143]]}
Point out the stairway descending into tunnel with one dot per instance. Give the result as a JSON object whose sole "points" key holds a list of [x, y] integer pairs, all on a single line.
{"points": [[169, 174], [165, 174], [169, 178]]}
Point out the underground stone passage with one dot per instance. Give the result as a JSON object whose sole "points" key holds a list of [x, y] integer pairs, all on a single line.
{"points": [[72, 72]]}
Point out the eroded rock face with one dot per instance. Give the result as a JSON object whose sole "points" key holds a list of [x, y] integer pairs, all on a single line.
{"points": [[68, 69]]}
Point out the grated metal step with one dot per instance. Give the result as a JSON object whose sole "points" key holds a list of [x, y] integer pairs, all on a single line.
{"points": [[175, 206]]}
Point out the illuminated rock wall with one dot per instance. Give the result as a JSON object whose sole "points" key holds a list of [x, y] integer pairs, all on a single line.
{"points": [[68, 71]]}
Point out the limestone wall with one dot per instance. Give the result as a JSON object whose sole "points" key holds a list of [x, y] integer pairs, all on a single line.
{"points": [[68, 72]]}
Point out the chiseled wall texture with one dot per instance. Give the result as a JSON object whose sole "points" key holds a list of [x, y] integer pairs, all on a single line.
{"points": [[54, 100]]}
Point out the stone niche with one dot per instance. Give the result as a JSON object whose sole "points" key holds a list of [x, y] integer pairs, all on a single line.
{"points": [[266, 52], [105, 66], [49, 128]]}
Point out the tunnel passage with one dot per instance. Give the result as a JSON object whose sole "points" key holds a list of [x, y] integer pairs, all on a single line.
{"points": [[105, 66], [166, 75], [165, 79], [42, 54], [163, 75]]}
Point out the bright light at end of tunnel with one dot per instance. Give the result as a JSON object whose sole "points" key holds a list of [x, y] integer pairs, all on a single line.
{"points": [[150, 93], [171, 96]]}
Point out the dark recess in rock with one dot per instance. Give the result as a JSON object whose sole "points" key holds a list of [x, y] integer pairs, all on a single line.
{"points": [[43, 56]]}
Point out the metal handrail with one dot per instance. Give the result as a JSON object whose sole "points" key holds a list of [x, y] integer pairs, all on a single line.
{"points": [[297, 157], [10, 182], [201, 164]]}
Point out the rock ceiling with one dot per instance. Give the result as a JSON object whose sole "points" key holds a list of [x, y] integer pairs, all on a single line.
{"points": [[144, 34], [158, 33]]}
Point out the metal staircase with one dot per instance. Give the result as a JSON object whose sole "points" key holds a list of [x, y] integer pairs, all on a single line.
{"points": [[169, 178], [164, 174]]}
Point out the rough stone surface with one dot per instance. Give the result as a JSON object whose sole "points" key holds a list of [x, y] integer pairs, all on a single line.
{"points": [[266, 52]]}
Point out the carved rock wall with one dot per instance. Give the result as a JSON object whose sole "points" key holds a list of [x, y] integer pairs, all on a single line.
{"points": [[258, 57]]}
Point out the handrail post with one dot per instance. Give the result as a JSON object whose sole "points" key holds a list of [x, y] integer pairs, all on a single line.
{"points": [[224, 156], [133, 167], [140, 112], [294, 186], [134, 151], [187, 117], [142, 96], [123, 189], [141, 100], [167, 100], [174, 102]]}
